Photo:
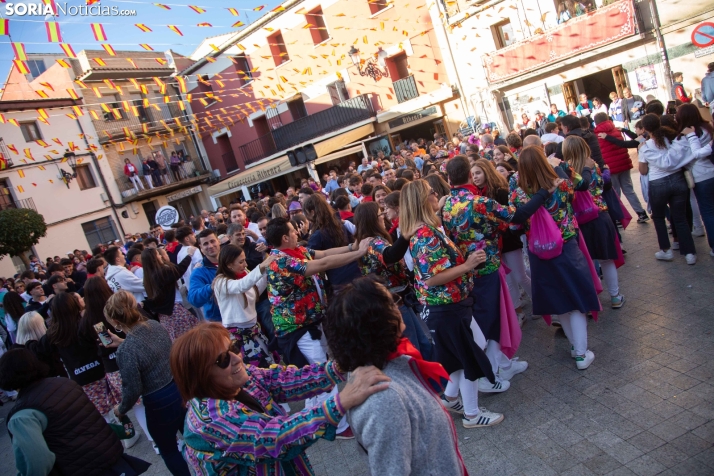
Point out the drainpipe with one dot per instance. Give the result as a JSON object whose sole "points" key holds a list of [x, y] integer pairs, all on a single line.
{"points": [[95, 161], [662, 48]]}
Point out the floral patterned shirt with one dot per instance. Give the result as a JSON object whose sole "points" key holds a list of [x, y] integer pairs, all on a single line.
{"points": [[596, 184], [558, 205], [476, 223], [295, 299], [433, 252], [373, 263]]}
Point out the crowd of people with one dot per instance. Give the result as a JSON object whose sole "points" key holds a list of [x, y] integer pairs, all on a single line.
{"points": [[407, 276]]}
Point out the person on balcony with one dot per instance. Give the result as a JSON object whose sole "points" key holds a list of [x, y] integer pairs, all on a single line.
{"points": [[161, 162], [175, 163], [155, 170], [147, 170], [133, 174]]}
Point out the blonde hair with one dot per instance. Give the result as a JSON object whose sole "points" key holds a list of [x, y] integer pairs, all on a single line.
{"points": [[414, 206], [575, 152], [121, 307], [31, 326]]}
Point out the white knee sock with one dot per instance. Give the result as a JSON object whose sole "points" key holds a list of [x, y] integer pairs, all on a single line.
{"points": [[579, 326], [609, 275], [469, 396], [140, 412], [496, 357]]}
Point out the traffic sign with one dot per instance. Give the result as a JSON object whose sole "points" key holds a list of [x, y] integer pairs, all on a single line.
{"points": [[703, 35]]}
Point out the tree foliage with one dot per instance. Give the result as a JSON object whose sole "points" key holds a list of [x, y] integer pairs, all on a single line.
{"points": [[20, 230]]}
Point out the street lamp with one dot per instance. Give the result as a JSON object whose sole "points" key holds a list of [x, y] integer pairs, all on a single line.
{"points": [[71, 159], [371, 69]]}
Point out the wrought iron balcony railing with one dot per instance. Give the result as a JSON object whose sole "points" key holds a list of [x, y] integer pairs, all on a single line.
{"points": [[138, 119], [159, 183], [24, 203], [406, 89]]}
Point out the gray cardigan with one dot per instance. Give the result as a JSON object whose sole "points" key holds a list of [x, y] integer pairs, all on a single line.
{"points": [[405, 429], [143, 360]]}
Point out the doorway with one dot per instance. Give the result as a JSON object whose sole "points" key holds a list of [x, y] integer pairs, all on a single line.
{"points": [[187, 207], [599, 85]]}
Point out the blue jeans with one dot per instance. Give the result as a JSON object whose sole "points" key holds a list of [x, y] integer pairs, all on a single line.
{"points": [[265, 319], [704, 191], [671, 190], [165, 415]]}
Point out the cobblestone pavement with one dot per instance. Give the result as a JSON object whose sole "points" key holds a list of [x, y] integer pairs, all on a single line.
{"points": [[645, 406]]}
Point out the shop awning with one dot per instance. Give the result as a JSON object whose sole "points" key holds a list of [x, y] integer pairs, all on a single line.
{"points": [[333, 143], [253, 175], [340, 153]]}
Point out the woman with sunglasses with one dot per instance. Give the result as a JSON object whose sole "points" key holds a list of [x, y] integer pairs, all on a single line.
{"points": [[143, 360], [443, 283], [234, 424], [384, 258]]}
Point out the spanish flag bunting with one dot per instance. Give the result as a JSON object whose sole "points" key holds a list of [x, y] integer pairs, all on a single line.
{"points": [[106, 133], [77, 111], [125, 106], [67, 48], [160, 5], [21, 66], [182, 83], [110, 83], [19, 187], [161, 61], [72, 147], [41, 167], [135, 111], [42, 143], [19, 49], [145, 130], [277, 9], [92, 2], [94, 114], [13, 149], [189, 96], [52, 5], [81, 84], [196, 9], [220, 83], [98, 31], [53, 32], [146, 47], [127, 132], [99, 61], [143, 27], [14, 122], [204, 25], [181, 105], [116, 114], [43, 120], [42, 113], [5, 27], [2, 118], [210, 59], [57, 141], [28, 154], [215, 48], [233, 11], [158, 82], [108, 48], [72, 93], [100, 156], [134, 82], [118, 89], [175, 29], [144, 89], [238, 24], [163, 123], [167, 99], [203, 101], [257, 9], [47, 85], [131, 62], [97, 92], [42, 94], [71, 116], [63, 63], [93, 147]]}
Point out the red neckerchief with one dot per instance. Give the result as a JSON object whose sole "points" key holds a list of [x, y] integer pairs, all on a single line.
{"points": [[468, 186], [134, 263], [170, 247], [344, 215], [247, 222], [367, 198], [395, 225], [296, 253], [432, 372], [241, 275], [481, 191]]}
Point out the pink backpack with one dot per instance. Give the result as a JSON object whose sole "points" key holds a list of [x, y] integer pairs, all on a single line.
{"points": [[584, 207], [545, 240]]}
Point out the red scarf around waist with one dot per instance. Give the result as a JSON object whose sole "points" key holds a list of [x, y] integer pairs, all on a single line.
{"points": [[470, 187], [432, 372]]}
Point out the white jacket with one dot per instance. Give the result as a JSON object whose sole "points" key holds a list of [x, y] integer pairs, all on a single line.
{"points": [[229, 296], [702, 168], [118, 278]]}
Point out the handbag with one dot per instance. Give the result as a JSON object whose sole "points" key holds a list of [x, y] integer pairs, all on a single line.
{"points": [[124, 429], [689, 177], [584, 207], [545, 240]]}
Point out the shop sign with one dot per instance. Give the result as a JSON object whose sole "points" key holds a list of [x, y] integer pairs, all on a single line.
{"points": [[166, 216], [413, 117], [260, 175], [184, 193], [704, 52]]}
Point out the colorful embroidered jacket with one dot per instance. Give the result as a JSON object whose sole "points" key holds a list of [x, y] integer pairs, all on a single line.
{"points": [[558, 204], [227, 437], [294, 297], [373, 263], [433, 252], [476, 223], [596, 185]]}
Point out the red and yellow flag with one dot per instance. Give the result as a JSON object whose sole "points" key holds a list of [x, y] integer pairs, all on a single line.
{"points": [[277, 9], [182, 83], [42, 143], [21, 66], [68, 50], [257, 9], [92, 2], [77, 111], [161, 61], [5, 27], [97, 92], [42, 94], [233, 11], [42, 113], [204, 25], [13, 149], [98, 31], [196, 9], [99, 61], [175, 29], [146, 47], [19, 187], [237, 24], [72, 93], [131, 62], [53, 32], [47, 85], [108, 48], [28, 154], [142, 27], [19, 50], [161, 5], [52, 5]]}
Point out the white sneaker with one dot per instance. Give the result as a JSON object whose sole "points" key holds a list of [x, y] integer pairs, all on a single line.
{"points": [[698, 231], [675, 245], [555, 322], [483, 419], [691, 259], [584, 361], [573, 354], [664, 255], [517, 366], [711, 252], [454, 406], [487, 387]]}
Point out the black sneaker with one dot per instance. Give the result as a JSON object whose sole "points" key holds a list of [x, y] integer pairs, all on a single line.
{"points": [[642, 217]]}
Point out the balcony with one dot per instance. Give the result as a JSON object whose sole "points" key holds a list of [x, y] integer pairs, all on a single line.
{"points": [[576, 36], [148, 120], [405, 89], [190, 172], [229, 160], [10, 203], [309, 127]]}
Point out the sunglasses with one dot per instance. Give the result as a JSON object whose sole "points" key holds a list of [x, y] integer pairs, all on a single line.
{"points": [[224, 359]]}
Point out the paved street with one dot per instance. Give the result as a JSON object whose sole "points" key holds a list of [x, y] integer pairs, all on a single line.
{"points": [[645, 406]]}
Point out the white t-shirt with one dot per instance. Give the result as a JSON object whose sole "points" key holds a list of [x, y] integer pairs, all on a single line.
{"points": [[551, 137], [665, 162], [195, 259]]}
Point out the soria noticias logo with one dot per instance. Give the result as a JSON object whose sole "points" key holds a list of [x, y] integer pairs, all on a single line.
{"points": [[43, 9]]}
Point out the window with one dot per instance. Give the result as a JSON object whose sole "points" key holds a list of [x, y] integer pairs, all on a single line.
{"points": [[138, 102], [243, 69], [100, 231], [84, 177], [150, 210], [116, 114], [398, 66], [297, 108], [30, 131], [338, 92], [36, 67], [205, 87], [278, 49], [376, 6], [318, 30], [6, 200], [503, 34]]}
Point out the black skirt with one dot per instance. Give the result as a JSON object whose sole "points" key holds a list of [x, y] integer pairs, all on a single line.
{"points": [[564, 283], [487, 305], [454, 344], [600, 236]]}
